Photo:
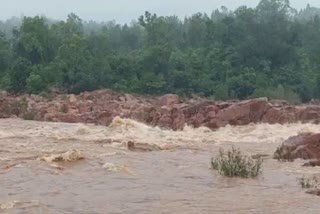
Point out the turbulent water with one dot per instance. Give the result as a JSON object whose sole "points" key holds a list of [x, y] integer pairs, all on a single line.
{"points": [[111, 179]]}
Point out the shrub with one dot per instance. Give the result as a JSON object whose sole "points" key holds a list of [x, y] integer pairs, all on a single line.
{"points": [[35, 84], [307, 182], [234, 164]]}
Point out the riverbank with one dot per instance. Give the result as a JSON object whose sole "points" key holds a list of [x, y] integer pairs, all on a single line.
{"points": [[168, 111]]}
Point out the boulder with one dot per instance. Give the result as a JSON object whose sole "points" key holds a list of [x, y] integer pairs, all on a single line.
{"points": [[280, 115], [314, 192], [169, 100], [241, 113], [312, 163], [142, 147], [304, 146], [307, 114], [72, 98], [102, 106]]}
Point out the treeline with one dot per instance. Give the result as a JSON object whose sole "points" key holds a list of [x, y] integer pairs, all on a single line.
{"points": [[271, 50]]}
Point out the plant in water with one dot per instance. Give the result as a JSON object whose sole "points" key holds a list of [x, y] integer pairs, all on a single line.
{"points": [[308, 182], [233, 163]]}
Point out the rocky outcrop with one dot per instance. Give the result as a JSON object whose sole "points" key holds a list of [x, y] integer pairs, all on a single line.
{"points": [[305, 146], [242, 113], [102, 106], [169, 100]]}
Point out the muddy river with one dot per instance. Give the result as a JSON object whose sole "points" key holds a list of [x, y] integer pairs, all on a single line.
{"points": [[111, 179]]}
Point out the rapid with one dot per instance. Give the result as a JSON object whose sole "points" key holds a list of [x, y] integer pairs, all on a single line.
{"points": [[175, 178]]}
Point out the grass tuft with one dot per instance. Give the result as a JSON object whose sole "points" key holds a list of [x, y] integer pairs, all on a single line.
{"points": [[233, 163], [308, 182]]}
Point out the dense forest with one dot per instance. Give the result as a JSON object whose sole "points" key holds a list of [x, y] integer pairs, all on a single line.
{"points": [[272, 50]]}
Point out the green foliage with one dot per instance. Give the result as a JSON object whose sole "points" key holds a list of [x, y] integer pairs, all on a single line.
{"points": [[221, 92], [5, 82], [32, 42], [19, 74], [308, 182], [35, 84], [278, 93], [242, 86], [5, 53], [234, 164], [271, 50]]}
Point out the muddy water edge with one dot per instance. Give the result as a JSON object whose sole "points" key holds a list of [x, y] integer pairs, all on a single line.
{"points": [[178, 179]]}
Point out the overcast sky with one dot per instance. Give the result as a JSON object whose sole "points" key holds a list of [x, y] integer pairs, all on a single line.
{"points": [[122, 10]]}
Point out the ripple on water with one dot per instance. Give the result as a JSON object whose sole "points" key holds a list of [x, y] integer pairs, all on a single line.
{"points": [[174, 181]]}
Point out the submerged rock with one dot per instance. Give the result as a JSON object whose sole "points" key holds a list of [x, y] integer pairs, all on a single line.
{"points": [[8, 205], [312, 163], [113, 168], [305, 146], [142, 147], [260, 156], [314, 192], [69, 156]]}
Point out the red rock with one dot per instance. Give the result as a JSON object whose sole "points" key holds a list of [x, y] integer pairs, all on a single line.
{"points": [[178, 119], [279, 115], [243, 113], [304, 146], [104, 118], [102, 106], [72, 98], [308, 114], [169, 100]]}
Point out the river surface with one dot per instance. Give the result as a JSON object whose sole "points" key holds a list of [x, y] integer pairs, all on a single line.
{"points": [[176, 180]]}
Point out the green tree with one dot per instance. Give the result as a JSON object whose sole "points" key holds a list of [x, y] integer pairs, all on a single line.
{"points": [[19, 74], [32, 41]]}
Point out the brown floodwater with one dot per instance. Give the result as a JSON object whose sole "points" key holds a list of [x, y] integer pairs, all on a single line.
{"points": [[177, 180]]}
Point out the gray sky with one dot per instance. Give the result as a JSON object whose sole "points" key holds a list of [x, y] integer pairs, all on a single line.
{"points": [[122, 10]]}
